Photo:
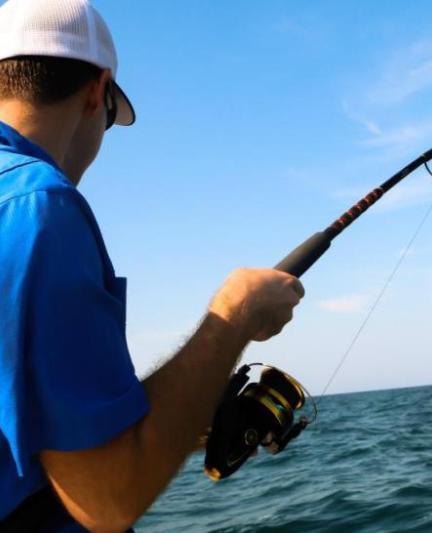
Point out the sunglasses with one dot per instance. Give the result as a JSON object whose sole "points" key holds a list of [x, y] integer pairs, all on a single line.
{"points": [[111, 105]]}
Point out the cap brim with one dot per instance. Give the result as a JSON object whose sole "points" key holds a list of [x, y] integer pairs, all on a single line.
{"points": [[125, 112]]}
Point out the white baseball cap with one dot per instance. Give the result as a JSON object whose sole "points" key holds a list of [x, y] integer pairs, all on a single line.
{"points": [[62, 28]]}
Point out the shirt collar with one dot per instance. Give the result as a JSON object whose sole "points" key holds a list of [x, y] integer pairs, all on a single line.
{"points": [[12, 141]]}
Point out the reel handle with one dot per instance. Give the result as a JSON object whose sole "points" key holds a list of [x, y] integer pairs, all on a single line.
{"points": [[304, 256]]}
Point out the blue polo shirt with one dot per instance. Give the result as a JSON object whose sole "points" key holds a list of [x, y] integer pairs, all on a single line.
{"points": [[66, 377]]}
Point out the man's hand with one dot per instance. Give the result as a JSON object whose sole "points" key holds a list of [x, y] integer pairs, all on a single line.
{"points": [[258, 301]]}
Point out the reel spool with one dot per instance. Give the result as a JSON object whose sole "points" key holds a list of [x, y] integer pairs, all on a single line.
{"points": [[259, 414]]}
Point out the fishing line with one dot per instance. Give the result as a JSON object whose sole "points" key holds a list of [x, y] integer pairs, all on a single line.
{"points": [[427, 168], [378, 299]]}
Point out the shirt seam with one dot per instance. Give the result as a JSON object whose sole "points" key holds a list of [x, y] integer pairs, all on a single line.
{"points": [[48, 191], [58, 190], [19, 166]]}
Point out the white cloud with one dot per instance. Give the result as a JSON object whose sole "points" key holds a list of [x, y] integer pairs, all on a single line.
{"points": [[407, 195], [352, 303], [400, 137], [408, 72], [372, 127], [405, 74], [354, 115], [409, 135]]}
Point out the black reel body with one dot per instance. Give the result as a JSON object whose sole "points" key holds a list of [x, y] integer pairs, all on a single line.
{"points": [[259, 414]]}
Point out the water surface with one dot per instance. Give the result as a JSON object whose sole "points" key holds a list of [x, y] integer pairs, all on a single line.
{"points": [[366, 465]]}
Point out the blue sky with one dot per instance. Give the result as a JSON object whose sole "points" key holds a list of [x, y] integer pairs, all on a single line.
{"points": [[259, 123]]}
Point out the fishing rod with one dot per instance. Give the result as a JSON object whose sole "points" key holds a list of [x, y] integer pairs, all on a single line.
{"points": [[304, 256], [262, 413]]}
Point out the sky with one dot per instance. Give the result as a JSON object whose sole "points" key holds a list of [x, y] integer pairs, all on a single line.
{"points": [[259, 123]]}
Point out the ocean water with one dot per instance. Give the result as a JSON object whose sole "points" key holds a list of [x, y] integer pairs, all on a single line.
{"points": [[366, 465]]}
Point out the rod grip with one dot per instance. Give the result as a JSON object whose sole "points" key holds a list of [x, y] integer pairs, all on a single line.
{"points": [[305, 255]]}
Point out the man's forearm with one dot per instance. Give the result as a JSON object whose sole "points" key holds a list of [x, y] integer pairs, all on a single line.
{"points": [[183, 395], [107, 488]]}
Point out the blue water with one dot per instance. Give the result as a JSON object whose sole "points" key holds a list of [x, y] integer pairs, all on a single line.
{"points": [[366, 465]]}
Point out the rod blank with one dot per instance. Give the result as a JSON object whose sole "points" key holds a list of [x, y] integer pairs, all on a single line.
{"points": [[306, 254]]}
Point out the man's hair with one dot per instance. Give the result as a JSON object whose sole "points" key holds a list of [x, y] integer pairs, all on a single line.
{"points": [[44, 80]]}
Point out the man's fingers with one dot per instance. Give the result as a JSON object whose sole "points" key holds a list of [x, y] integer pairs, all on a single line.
{"points": [[275, 328], [297, 287]]}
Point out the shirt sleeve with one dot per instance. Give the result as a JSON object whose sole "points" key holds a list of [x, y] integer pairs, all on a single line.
{"points": [[69, 380]]}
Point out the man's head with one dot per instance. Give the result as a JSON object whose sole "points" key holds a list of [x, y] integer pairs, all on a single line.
{"points": [[58, 56]]}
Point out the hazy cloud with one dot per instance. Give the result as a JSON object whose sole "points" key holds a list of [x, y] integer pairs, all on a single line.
{"points": [[405, 135], [408, 195], [407, 72], [352, 303], [355, 116]]}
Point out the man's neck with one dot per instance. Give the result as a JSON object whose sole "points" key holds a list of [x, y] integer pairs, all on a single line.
{"points": [[50, 128]]}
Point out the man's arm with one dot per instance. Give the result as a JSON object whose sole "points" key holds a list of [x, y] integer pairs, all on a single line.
{"points": [[107, 488]]}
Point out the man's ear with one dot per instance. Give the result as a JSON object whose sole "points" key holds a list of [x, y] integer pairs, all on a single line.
{"points": [[95, 93]]}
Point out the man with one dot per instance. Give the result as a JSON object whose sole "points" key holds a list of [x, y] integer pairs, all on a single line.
{"points": [[73, 415]]}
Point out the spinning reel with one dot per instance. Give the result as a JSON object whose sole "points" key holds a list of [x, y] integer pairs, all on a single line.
{"points": [[259, 414]]}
